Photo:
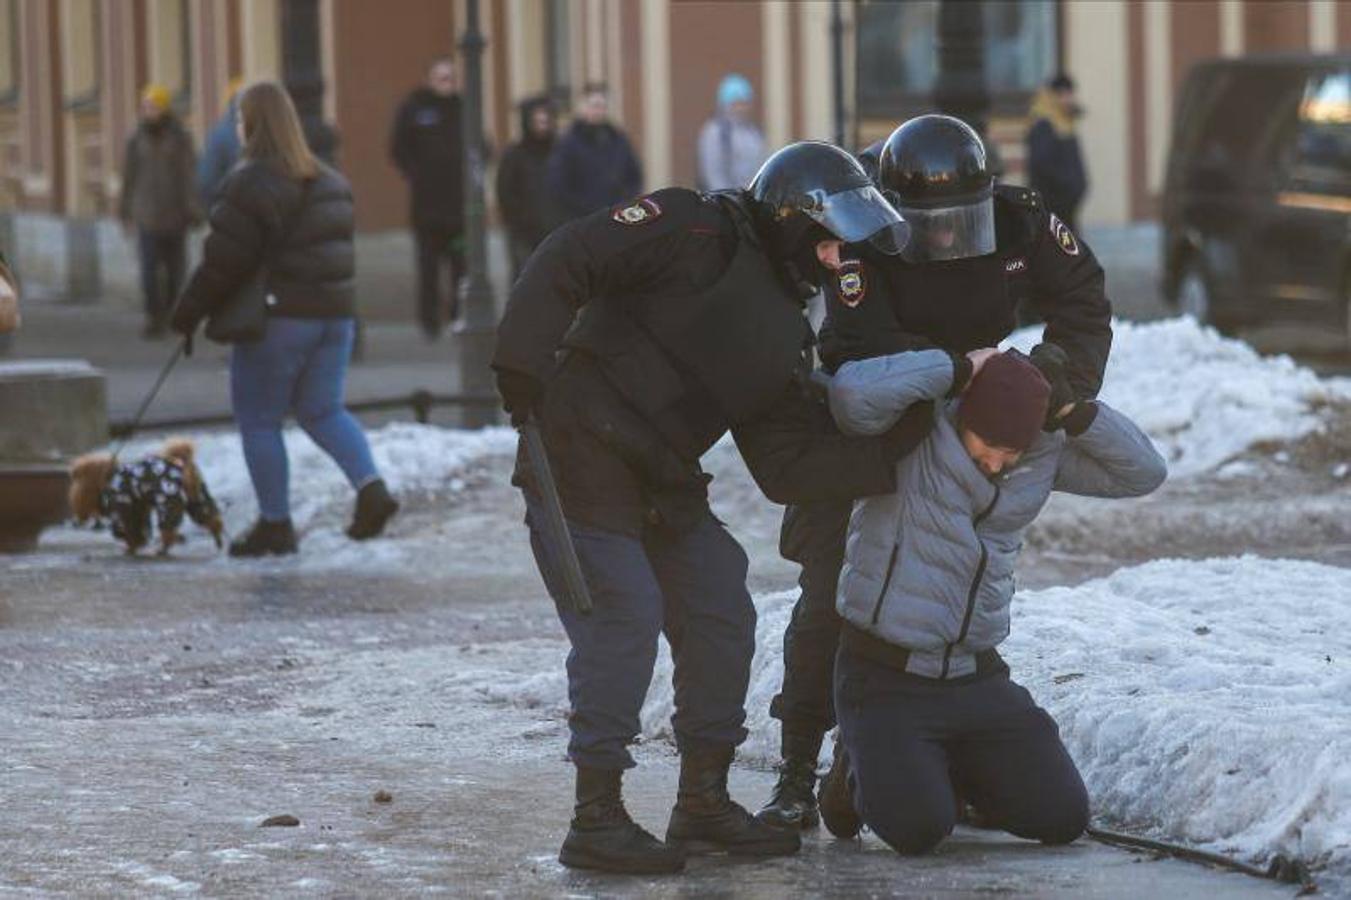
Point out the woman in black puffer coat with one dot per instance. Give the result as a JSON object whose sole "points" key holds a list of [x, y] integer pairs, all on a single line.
{"points": [[283, 209]]}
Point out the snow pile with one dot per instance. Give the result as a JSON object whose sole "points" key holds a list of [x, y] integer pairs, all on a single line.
{"points": [[412, 458], [1205, 398], [1207, 702]]}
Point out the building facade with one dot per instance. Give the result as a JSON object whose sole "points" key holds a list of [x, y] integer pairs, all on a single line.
{"points": [[70, 73]]}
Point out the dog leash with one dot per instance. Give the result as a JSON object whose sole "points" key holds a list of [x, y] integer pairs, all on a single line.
{"points": [[135, 423]]}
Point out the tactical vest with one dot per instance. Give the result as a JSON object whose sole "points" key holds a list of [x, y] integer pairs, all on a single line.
{"points": [[697, 364]]}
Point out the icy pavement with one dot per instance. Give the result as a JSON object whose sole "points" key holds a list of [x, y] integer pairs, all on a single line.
{"points": [[156, 712]]}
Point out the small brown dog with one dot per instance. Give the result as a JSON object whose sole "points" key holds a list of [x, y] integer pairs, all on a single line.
{"points": [[167, 484]]}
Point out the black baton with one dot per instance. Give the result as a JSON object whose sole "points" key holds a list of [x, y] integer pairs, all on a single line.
{"points": [[557, 538]]}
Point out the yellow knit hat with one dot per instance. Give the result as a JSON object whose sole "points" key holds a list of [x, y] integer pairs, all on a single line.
{"points": [[158, 95]]}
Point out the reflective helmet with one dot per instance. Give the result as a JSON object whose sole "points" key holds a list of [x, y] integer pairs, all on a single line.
{"points": [[813, 183], [933, 169]]}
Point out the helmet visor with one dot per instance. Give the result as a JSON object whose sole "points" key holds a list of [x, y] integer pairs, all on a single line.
{"points": [[861, 214], [949, 232]]}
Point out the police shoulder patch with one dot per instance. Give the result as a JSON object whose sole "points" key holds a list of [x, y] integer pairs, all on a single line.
{"points": [[1064, 238], [852, 285], [642, 211]]}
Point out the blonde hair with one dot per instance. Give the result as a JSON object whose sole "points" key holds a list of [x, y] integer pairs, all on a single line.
{"points": [[272, 130], [89, 475]]}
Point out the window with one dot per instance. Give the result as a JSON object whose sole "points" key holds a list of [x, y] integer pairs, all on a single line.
{"points": [[898, 52], [1322, 146], [81, 56], [170, 24], [9, 51]]}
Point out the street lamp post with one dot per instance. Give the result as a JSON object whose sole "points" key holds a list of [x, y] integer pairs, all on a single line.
{"points": [[303, 74], [479, 323], [837, 68]]}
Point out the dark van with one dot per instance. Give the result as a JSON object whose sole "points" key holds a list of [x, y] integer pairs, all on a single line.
{"points": [[1257, 200]]}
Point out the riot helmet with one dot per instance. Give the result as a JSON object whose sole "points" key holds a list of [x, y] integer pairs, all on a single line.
{"points": [[934, 171], [813, 191]]}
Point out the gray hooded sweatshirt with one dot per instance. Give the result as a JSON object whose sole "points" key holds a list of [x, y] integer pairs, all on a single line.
{"points": [[930, 567]]}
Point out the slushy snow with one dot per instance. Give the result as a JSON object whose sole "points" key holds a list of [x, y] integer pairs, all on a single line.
{"points": [[1205, 702], [1205, 398]]}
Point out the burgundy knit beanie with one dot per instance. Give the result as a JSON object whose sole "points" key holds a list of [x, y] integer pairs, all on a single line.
{"points": [[1005, 404]]}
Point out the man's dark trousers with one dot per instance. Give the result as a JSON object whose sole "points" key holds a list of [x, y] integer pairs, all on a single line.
{"points": [[436, 245], [909, 738], [692, 587], [805, 704], [163, 260]]}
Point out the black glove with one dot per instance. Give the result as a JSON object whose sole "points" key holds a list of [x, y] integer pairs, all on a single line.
{"points": [[1052, 361], [520, 393]]}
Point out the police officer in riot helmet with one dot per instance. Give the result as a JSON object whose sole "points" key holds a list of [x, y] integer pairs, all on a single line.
{"points": [[977, 251], [635, 338]]}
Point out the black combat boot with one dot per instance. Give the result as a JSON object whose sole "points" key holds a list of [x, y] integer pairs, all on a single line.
{"points": [[705, 820], [375, 507], [793, 803], [266, 539], [837, 800], [603, 836]]}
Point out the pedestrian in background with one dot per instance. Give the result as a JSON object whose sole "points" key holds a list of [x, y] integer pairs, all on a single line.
{"points": [[159, 201], [221, 150], [1055, 167], [283, 209], [593, 165], [523, 183], [427, 144], [9, 299], [731, 147]]}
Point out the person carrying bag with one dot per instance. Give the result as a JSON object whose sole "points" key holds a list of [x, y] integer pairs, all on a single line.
{"points": [[277, 282]]}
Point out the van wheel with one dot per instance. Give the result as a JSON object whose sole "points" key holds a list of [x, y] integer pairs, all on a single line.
{"points": [[1193, 295], [1194, 299]]}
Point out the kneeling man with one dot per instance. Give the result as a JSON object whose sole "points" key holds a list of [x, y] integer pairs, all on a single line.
{"points": [[926, 707]]}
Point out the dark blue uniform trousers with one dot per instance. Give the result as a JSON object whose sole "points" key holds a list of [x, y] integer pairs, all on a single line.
{"points": [[692, 587], [913, 743]]}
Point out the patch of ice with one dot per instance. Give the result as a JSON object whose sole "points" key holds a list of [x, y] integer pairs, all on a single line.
{"points": [[1202, 397]]}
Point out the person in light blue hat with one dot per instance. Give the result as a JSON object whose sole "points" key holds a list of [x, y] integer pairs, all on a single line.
{"points": [[731, 147]]}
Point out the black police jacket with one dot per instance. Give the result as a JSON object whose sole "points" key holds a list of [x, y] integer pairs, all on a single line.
{"points": [[882, 304], [657, 327]]}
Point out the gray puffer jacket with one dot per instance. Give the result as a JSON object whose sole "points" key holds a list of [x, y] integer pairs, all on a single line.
{"points": [[930, 567]]}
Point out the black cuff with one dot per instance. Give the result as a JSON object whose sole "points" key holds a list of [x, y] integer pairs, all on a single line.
{"points": [[1079, 418], [962, 367]]}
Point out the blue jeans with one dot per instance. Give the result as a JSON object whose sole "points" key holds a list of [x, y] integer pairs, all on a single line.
{"points": [[300, 367], [691, 586]]}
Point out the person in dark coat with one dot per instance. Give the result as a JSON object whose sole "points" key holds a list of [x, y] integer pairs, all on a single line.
{"points": [[159, 201], [634, 340], [427, 145], [284, 210], [593, 165], [1055, 165], [959, 299], [522, 183]]}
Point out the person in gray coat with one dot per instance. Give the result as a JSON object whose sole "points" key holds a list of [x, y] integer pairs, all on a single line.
{"points": [[928, 713]]}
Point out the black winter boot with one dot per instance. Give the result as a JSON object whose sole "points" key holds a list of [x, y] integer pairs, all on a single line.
{"points": [[837, 800], [793, 803], [705, 820], [375, 507], [603, 836], [266, 539]]}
